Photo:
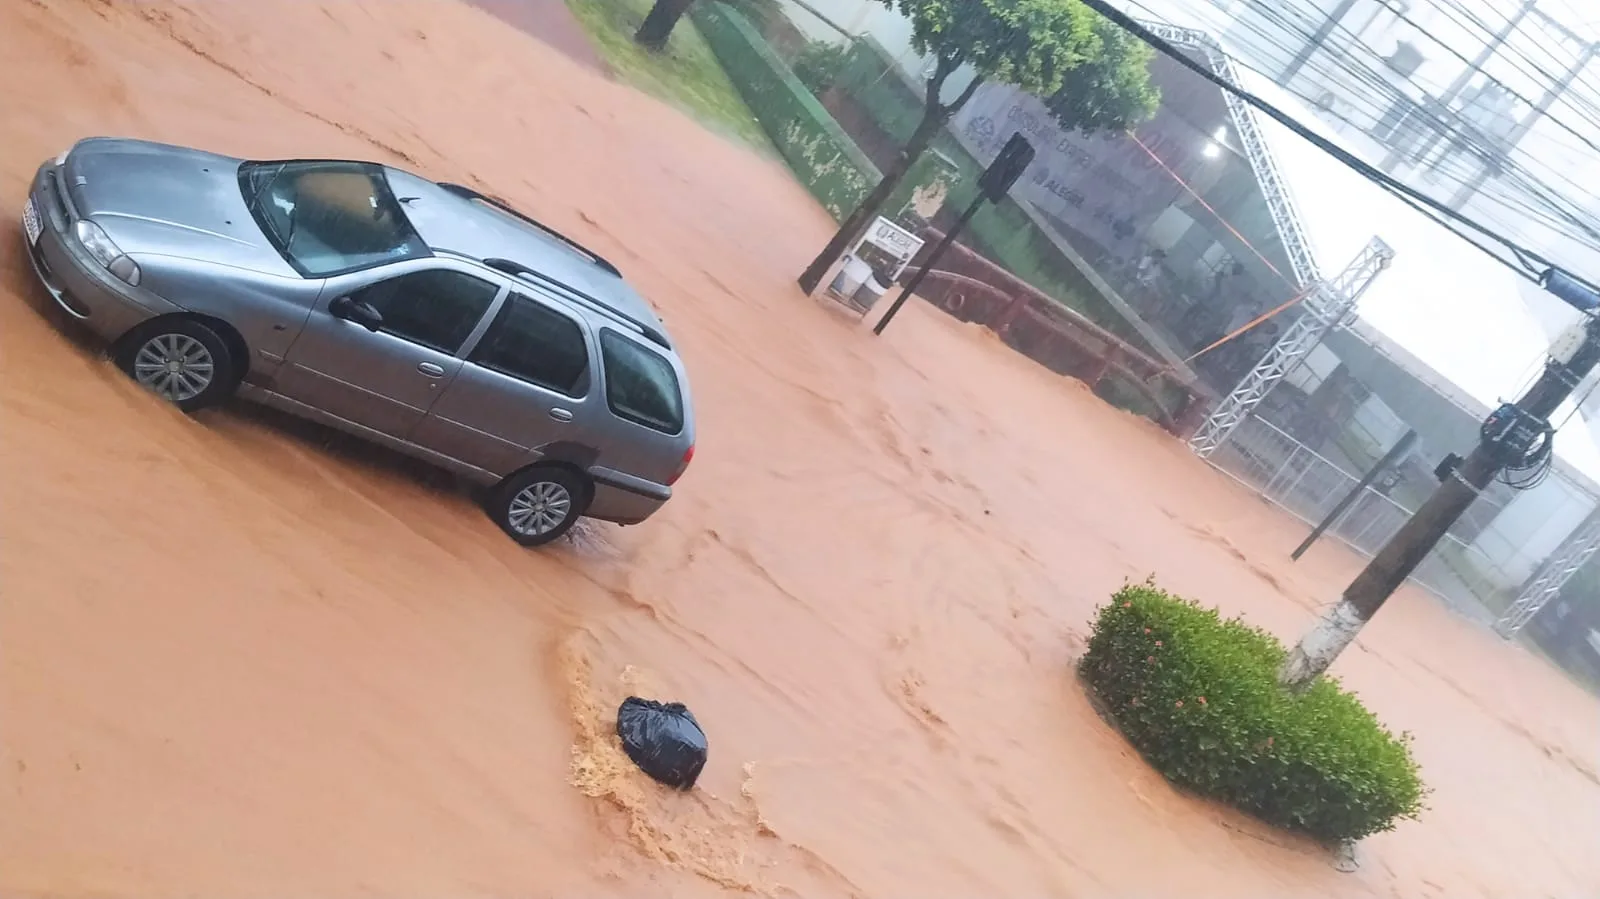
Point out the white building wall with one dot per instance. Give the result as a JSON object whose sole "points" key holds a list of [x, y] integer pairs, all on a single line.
{"points": [[1377, 424], [1531, 526], [1317, 367]]}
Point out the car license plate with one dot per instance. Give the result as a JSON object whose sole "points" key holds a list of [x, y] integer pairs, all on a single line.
{"points": [[31, 222]]}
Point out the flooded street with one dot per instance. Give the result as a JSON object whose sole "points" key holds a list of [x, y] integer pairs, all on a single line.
{"points": [[240, 657]]}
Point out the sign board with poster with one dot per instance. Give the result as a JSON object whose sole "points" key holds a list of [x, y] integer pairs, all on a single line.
{"points": [[875, 262]]}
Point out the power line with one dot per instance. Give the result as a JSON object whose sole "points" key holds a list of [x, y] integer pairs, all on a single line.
{"points": [[1561, 214], [1591, 116], [1368, 73], [1533, 266], [1592, 112], [1553, 214]]}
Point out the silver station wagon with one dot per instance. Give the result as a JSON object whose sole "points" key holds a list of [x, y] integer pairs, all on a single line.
{"points": [[425, 317]]}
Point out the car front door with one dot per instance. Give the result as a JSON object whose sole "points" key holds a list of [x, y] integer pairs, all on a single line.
{"points": [[383, 365], [527, 383]]}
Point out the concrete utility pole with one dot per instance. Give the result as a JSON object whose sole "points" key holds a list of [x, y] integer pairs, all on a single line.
{"points": [[1462, 80], [1416, 538], [1555, 92], [1315, 42]]}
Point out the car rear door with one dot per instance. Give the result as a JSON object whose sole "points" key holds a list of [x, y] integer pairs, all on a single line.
{"points": [[388, 379], [527, 383]]}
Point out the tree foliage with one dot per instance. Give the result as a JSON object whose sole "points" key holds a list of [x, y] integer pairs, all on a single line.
{"points": [[1029, 43], [1045, 47], [1093, 74], [1109, 90]]}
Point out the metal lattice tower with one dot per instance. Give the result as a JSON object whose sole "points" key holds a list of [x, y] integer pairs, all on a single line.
{"points": [[1327, 306], [1570, 556], [1280, 203]]}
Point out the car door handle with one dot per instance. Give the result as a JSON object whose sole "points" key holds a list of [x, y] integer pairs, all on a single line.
{"points": [[560, 414], [431, 370]]}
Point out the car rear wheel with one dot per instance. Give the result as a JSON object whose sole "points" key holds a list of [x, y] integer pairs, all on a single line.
{"points": [[539, 505], [180, 360]]}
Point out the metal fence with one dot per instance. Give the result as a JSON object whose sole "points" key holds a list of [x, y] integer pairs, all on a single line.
{"points": [[1307, 485]]}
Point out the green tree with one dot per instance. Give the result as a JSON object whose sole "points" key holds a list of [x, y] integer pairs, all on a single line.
{"points": [[1110, 90], [1095, 75]]}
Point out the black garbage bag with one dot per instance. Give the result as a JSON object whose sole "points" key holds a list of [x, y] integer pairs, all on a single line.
{"points": [[663, 739]]}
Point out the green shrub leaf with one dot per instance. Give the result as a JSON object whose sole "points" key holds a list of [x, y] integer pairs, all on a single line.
{"points": [[1198, 696]]}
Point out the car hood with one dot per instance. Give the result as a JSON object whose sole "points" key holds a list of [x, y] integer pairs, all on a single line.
{"points": [[169, 201]]}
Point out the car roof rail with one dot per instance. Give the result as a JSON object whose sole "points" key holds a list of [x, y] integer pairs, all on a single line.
{"points": [[468, 193], [518, 270]]}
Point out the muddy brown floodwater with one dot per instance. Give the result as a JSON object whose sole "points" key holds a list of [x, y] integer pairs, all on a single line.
{"points": [[244, 659]]}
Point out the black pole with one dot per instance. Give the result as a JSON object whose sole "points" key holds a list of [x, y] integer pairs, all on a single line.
{"points": [[927, 265], [1400, 448], [1417, 536], [1314, 43]]}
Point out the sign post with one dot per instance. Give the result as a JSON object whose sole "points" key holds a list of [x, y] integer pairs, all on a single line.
{"points": [[992, 187]]}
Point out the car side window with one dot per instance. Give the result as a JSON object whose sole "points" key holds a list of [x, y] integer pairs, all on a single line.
{"points": [[532, 342], [437, 308], [641, 385]]}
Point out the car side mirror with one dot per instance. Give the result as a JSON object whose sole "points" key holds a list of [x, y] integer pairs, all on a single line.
{"points": [[362, 314]]}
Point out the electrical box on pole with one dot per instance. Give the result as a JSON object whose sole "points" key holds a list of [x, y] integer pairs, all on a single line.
{"points": [[1516, 444]]}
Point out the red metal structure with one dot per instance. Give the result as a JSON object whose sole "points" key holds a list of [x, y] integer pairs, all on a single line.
{"points": [[973, 289]]}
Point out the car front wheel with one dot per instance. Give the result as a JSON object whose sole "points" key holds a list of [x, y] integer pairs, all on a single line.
{"points": [[539, 505], [180, 360]]}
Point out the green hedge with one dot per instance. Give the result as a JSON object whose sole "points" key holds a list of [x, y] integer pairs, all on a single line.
{"points": [[1198, 696], [822, 156]]}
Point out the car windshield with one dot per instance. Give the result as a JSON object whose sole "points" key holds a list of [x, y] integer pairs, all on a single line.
{"points": [[327, 218]]}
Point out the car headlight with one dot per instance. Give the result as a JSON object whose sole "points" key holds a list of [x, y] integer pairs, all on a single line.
{"points": [[99, 246]]}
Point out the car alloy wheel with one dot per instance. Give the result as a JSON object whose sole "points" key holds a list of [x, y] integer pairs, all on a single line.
{"points": [[183, 361], [175, 366], [538, 505], [539, 508]]}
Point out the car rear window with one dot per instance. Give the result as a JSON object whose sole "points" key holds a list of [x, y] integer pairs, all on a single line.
{"points": [[641, 386]]}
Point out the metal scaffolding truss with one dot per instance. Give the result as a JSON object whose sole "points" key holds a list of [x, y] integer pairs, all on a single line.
{"points": [[1280, 203], [1570, 556], [1326, 306]]}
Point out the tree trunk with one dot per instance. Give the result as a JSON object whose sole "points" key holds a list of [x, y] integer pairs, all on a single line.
{"points": [[658, 24], [855, 224], [934, 116]]}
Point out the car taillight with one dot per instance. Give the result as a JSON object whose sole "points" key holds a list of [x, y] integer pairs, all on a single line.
{"points": [[683, 466]]}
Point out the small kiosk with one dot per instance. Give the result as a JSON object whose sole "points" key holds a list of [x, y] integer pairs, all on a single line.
{"points": [[873, 264]]}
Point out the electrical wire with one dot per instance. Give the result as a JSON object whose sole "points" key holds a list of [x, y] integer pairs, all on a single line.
{"points": [[1560, 215], [1369, 76], [1591, 116], [1535, 265], [1456, 12], [1530, 471], [1323, 64]]}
